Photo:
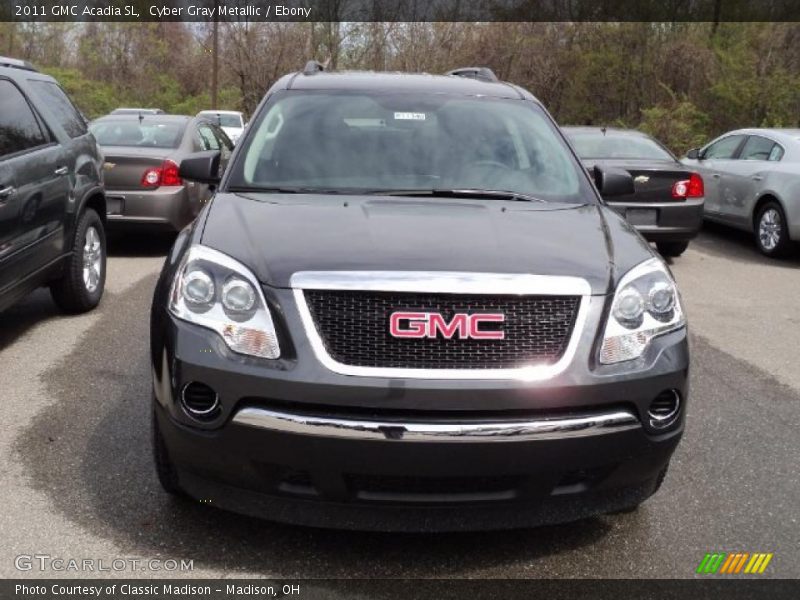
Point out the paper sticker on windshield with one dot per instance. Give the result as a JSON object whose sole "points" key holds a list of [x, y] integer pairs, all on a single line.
{"points": [[409, 116]]}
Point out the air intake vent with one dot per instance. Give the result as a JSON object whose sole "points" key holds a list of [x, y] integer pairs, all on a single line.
{"points": [[200, 401], [664, 409]]}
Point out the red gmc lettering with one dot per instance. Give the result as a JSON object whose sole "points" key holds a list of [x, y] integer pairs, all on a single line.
{"points": [[475, 323], [415, 326], [431, 325]]}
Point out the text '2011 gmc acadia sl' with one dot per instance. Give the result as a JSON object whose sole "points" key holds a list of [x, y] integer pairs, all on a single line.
{"points": [[407, 308]]}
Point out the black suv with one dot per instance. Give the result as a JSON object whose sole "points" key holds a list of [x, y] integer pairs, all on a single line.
{"points": [[407, 307], [52, 203]]}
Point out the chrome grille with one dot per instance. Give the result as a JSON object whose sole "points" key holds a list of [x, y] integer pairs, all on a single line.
{"points": [[354, 328]]}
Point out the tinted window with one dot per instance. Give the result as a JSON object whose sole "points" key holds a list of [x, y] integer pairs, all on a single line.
{"points": [[146, 133], [593, 144], [358, 141], [59, 103], [19, 129], [757, 148], [724, 148]]}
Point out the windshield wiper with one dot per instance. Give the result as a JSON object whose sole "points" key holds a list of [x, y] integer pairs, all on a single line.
{"points": [[283, 190], [460, 193]]}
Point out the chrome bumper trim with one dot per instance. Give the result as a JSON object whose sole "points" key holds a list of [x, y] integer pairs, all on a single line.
{"points": [[539, 429]]}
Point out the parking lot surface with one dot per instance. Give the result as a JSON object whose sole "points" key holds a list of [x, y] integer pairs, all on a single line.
{"points": [[77, 480]]}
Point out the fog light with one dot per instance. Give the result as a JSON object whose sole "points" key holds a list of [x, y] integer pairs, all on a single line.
{"points": [[664, 409], [200, 401]]}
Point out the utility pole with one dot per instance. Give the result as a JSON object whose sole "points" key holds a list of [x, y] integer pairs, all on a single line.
{"points": [[215, 64]]}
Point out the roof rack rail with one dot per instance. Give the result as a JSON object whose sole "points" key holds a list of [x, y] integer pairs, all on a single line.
{"points": [[16, 63], [481, 73], [313, 67]]}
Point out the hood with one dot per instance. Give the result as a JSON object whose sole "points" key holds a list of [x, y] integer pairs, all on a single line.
{"points": [[278, 235]]}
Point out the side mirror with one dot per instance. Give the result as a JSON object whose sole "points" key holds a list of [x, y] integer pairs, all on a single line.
{"points": [[202, 167], [613, 182], [694, 154]]}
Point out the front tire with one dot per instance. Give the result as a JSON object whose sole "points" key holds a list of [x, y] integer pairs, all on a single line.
{"points": [[672, 249], [165, 470], [80, 287], [771, 230]]}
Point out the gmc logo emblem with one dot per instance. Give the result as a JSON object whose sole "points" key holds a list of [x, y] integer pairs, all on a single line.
{"points": [[462, 326]]}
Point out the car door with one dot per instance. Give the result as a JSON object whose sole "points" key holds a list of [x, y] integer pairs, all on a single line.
{"points": [[715, 160], [745, 178], [34, 189]]}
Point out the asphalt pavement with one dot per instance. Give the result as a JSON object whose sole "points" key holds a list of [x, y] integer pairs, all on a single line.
{"points": [[77, 480]]}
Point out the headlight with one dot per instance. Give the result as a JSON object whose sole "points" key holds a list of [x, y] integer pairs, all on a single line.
{"points": [[213, 290], [646, 304]]}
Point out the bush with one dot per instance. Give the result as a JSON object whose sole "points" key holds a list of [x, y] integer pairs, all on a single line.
{"points": [[680, 125]]}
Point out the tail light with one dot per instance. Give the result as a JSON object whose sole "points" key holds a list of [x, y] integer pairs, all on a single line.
{"points": [[166, 174], [689, 188]]}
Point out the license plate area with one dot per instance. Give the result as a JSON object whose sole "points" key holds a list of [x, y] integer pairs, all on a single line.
{"points": [[641, 216], [115, 205]]}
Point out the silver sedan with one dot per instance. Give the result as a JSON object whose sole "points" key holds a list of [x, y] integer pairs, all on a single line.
{"points": [[752, 182]]}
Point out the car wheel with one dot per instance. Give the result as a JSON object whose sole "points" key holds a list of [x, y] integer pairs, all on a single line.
{"points": [[165, 470], [672, 248], [771, 231], [81, 285]]}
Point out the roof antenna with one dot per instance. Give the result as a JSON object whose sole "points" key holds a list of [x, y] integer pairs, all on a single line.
{"points": [[141, 117], [603, 129]]}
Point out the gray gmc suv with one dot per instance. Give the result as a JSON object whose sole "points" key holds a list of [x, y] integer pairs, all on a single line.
{"points": [[52, 203], [407, 307]]}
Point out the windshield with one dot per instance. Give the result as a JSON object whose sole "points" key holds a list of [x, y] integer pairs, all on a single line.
{"points": [[595, 144], [224, 120], [382, 142], [150, 134]]}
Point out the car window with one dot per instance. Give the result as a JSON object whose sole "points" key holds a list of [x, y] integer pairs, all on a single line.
{"points": [[360, 141], [724, 148], [146, 133], [596, 144], [59, 103], [207, 138], [19, 128], [757, 148], [776, 153]]}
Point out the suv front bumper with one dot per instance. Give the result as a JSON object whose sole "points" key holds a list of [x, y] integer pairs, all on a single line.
{"points": [[298, 443]]}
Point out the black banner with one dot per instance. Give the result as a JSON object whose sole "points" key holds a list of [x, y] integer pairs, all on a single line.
{"points": [[401, 10], [378, 589]]}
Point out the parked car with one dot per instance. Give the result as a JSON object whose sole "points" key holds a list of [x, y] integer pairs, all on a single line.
{"points": [[231, 121], [753, 183], [667, 204], [52, 203], [406, 307], [137, 111], [143, 154]]}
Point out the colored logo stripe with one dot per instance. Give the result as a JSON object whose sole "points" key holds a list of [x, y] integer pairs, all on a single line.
{"points": [[734, 563]]}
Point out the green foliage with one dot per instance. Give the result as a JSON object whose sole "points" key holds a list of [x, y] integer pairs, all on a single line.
{"points": [[679, 125], [93, 98], [96, 98]]}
